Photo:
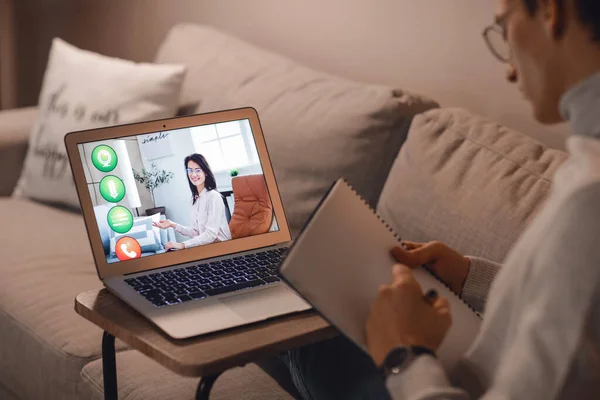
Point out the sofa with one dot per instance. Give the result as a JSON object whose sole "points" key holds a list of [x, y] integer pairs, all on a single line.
{"points": [[434, 174]]}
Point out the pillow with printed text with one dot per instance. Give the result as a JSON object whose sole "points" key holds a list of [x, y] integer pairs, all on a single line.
{"points": [[85, 90]]}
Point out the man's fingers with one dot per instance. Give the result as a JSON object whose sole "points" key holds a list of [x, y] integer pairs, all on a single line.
{"points": [[404, 256], [418, 256], [400, 271], [441, 303], [411, 245]]}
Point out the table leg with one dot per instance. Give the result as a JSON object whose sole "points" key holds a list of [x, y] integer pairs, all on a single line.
{"points": [[205, 385], [109, 367]]}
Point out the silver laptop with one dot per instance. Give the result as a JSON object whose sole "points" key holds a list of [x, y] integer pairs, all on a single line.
{"points": [[185, 220]]}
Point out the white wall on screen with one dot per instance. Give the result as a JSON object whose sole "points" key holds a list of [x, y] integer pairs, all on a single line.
{"points": [[135, 159], [175, 196]]}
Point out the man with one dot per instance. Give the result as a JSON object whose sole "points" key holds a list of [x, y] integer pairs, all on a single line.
{"points": [[540, 338]]}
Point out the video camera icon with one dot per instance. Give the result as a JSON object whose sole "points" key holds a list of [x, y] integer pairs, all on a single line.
{"points": [[104, 158]]}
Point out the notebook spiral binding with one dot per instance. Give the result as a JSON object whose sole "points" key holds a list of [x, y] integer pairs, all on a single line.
{"points": [[400, 241]]}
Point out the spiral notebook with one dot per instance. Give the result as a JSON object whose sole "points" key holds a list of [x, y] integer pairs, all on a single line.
{"points": [[341, 258]]}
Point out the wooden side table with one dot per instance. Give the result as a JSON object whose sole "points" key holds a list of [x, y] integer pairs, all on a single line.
{"points": [[205, 356]]}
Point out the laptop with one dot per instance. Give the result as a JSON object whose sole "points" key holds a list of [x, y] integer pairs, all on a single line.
{"points": [[185, 220]]}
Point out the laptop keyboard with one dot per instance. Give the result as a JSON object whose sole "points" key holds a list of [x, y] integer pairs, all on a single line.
{"points": [[209, 279]]}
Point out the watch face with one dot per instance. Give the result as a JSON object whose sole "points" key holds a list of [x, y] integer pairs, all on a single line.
{"points": [[396, 358]]}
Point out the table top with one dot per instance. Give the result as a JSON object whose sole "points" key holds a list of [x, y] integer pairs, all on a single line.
{"points": [[206, 354]]}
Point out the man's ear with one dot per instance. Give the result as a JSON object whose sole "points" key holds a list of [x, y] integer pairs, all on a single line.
{"points": [[554, 16]]}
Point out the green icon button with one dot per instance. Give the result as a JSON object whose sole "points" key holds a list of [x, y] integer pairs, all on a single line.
{"points": [[104, 158], [112, 189], [120, 219]]}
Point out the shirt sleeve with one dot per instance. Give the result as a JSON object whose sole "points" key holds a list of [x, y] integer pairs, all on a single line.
{"points": [[216, 213], [479, 280], [548, 326], [185, 230]]}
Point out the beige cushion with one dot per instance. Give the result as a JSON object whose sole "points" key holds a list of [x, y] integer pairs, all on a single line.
{"points": [[318, 127], [468, 182], [46, 262], [143, 379]]}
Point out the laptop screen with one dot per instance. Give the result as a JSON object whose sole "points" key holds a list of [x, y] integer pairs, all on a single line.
{"points": [[177, 189]]}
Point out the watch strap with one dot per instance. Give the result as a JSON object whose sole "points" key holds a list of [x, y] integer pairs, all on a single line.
{"points": [[400, 358]]}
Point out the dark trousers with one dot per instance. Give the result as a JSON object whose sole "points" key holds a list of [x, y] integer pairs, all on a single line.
{"points": [[332, 369]]}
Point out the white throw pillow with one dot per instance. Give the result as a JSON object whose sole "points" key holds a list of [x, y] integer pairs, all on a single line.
{"points": [[85, 90]]}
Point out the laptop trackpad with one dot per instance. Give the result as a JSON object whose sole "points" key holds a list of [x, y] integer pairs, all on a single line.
{"points": [[265, 303]]}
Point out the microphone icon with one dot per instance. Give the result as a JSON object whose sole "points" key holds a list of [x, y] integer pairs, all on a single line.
{"points": [[112, 188]]}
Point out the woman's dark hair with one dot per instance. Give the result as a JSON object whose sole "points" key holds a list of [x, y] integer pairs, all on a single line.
{"points": [[588, 12], [209, 181]]}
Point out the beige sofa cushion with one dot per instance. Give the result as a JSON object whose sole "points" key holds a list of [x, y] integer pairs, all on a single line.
{"points": [[142, 379], [468, 182], [46, 261], [318, 127]]}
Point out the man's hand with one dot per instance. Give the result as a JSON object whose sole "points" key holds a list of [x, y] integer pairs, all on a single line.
{"points": [[400, 316], [174, 245], [451, 266]]}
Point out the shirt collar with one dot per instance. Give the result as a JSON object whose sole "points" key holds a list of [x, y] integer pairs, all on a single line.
{"points": [[201, 193], [580, 105]]}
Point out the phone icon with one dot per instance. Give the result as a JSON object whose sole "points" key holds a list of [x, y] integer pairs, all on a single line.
{"points": [[127, 252], [127, 248]]}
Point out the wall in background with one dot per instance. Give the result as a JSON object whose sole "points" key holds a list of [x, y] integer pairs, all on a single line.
{"points": [[175, 196], [432, 47], [7, 55]]}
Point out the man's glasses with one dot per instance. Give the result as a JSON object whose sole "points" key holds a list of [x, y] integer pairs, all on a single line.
{"points": [[198, 171], [495, 38]]}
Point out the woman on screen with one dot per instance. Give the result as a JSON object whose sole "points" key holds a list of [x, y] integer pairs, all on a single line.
{"points": [[209, 224]]}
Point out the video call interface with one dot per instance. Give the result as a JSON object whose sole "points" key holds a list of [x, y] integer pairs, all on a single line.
{"points": [[178, 189]]}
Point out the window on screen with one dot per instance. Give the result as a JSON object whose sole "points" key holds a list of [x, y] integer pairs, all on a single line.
{"points": [[226, 146]]}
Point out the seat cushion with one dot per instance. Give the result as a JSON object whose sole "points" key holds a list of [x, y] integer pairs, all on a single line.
{"points": [[467, 182], [46, 262], [143, 379], [317, 127]]}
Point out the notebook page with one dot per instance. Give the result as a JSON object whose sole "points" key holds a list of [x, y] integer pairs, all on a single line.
{"points": [[342, 257]]}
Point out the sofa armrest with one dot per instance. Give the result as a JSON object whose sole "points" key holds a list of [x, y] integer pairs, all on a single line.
{"points": [[15, 127]]}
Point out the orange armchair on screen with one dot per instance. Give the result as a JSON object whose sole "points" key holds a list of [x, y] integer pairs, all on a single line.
{"points": [[253, 211]]}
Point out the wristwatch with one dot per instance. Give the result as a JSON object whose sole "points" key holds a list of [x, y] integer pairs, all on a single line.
{"points": [[400, 358]]}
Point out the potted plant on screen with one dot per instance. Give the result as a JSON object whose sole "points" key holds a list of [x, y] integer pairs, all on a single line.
{"points": [[152, 179]]}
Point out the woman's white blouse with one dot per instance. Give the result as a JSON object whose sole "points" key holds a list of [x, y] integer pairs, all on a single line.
{"points": [[209, 223]]}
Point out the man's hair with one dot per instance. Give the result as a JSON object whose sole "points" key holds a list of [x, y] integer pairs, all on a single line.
{"points": [[588, 12]]}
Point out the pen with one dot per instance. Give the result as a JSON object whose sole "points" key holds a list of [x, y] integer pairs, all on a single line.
{"points": [[430, 296]]}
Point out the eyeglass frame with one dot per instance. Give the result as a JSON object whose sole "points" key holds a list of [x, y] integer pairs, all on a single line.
{"points": [[499, 26], [190, 171]]}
